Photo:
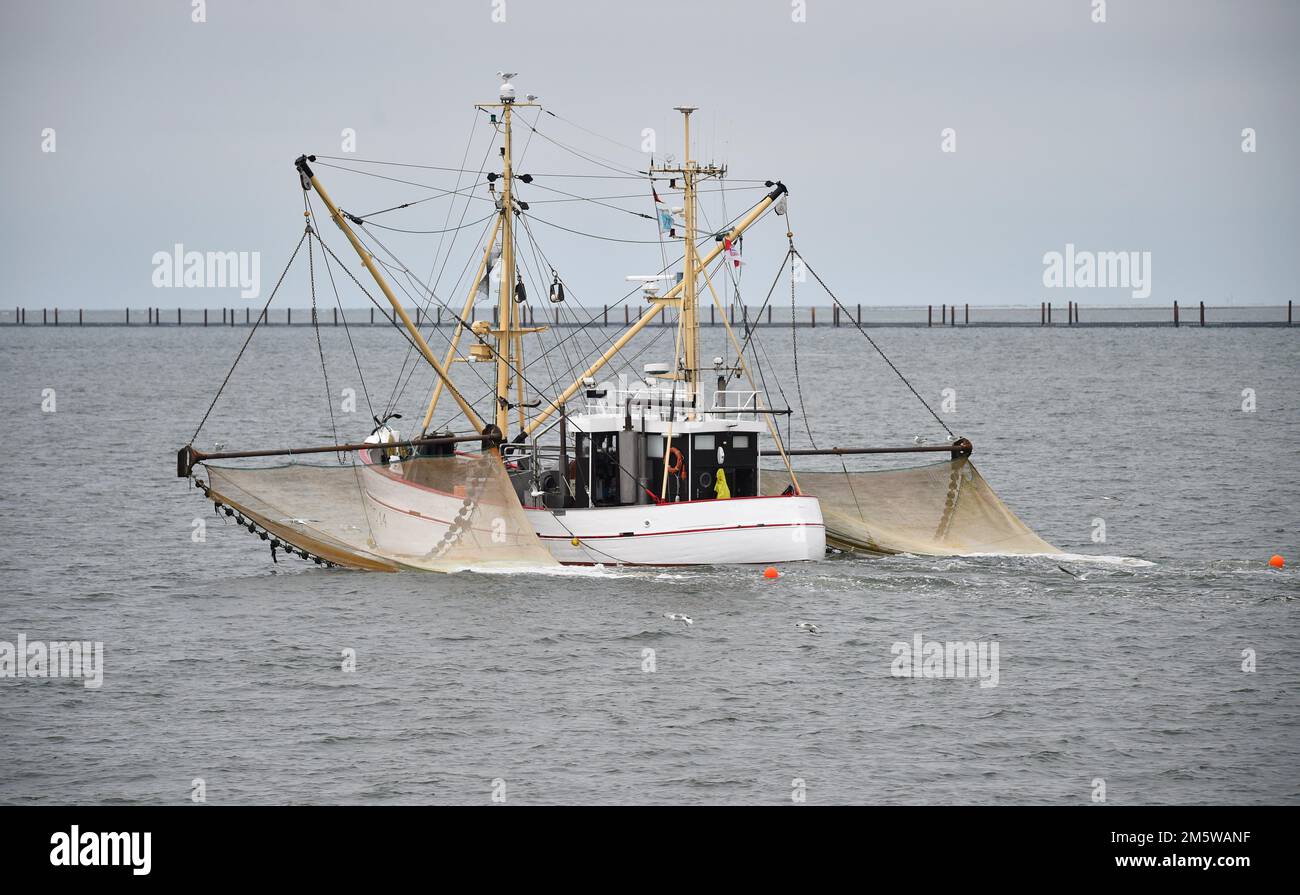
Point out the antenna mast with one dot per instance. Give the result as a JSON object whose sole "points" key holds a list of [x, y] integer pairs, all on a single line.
{"points": [[507, 330], [689, 366]]}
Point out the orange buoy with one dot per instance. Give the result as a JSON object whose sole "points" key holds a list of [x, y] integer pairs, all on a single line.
{"points": [[1276, 561], [771, 572]]}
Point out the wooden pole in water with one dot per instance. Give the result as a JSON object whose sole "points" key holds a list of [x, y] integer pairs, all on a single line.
{"points": [[178, 316], [1175, 313], [769, 314], [814, 316], [1202, 313], [81, 316], [605, 322], [1042, 313], [967, 322], [929, 315]]}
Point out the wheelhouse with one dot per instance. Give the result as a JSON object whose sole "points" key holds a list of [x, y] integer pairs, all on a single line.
{"points": [[643, 443]]}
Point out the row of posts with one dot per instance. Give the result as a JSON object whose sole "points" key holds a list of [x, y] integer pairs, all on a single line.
{"points": [[947, 315]]}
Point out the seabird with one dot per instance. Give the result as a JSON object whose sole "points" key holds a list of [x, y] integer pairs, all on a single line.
{"points": [[679, 617], [809, 627]]}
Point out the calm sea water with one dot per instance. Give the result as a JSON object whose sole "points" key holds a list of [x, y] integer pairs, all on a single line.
{"points": [[1126, 666]]}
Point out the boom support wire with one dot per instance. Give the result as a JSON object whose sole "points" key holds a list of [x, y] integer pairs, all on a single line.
{"points": [[260, 317], [858, 325]]}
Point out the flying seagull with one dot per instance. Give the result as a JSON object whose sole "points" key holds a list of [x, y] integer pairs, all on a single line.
{"points": [[679, 617], [809, 627]]}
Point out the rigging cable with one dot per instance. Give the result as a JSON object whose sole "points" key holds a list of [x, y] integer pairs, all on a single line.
{"points": [[455, 316], [794, 344], [315, 325], [347, 330], [251, 332], [858, 325]]}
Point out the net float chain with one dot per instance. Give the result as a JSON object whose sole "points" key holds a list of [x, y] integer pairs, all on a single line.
{"points": [[276, 543]]}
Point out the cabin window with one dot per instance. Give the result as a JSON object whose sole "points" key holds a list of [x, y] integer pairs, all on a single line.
{"points": [[740, 442], [654, 446], [704, 442]]}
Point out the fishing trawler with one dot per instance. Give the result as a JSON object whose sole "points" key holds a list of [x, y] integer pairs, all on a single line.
{"points": [[661, 466]]}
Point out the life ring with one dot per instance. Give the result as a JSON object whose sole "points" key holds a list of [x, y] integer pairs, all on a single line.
{"points": [[677, 463]]}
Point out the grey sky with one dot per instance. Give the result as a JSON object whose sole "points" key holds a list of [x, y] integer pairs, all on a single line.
{"points": [[1117, 136]]}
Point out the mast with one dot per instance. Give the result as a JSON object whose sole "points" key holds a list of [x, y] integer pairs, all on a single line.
{"points": [[509, 342], [690, 173], [505, 301]]}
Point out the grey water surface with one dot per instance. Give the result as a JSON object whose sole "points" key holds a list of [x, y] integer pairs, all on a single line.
{"points": [[1121, 664]]}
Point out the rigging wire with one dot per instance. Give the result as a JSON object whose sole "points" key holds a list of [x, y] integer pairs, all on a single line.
{"points": [[371, 223], [594, 235], [315, 325], [594, 160], [441, 192], [794, 346], [454, 315], [347, 330], [882, 354], [251, 332], [574, 197]]}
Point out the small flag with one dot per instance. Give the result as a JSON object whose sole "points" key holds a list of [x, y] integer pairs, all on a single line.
{"points": [[662, 212], [732, 251]]}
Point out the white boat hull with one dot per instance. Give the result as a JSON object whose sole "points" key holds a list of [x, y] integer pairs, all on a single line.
{"points": [[413, 521], [702, 532]]}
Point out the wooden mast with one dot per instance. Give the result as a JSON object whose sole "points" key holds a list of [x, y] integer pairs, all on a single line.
{"points": [[505, 299], [690, 173], [508, 332], [690, 297]]}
